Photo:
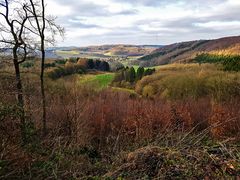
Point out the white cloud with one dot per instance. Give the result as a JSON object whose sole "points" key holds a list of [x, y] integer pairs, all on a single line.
{"points": [[145, 21], [56, 9], [220, 24]]}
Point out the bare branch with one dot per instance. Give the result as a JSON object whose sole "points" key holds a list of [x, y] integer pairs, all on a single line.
{"points": [[7, 42]]}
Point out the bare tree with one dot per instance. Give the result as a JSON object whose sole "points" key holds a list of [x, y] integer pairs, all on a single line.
{"points": [[13, 35], [40, 24], [23, 22]]}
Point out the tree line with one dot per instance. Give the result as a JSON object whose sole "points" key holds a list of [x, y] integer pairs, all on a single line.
{"points": [[229, 62], [93, 64], [76, 66], [130, 75]]}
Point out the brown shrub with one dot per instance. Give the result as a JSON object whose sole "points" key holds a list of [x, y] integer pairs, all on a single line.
{"points": [[225, 120]]}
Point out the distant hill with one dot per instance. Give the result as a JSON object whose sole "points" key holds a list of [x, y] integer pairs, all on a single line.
{"points": [[105, 51], [186, 51], [101, 51]]}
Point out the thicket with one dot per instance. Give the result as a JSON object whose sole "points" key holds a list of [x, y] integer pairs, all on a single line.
{"points": [[68, 69], [75, 66], [180, 83]]}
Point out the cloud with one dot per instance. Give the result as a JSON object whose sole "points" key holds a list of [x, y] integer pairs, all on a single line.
{"points": [[88, 8], [144, 2], [146, 21]]}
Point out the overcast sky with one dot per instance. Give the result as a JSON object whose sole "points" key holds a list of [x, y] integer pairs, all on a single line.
{"points": [[94, 22]]}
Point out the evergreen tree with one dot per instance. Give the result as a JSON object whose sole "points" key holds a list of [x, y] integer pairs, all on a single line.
{"points": [[97, 64], [104, 66], [140, 72], [149, 72], [126, 74], [132, 75], [90, 64]]}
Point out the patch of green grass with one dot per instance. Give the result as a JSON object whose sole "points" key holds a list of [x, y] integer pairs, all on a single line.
{"points": [[68, 52], [104, 79], [101, 81]]}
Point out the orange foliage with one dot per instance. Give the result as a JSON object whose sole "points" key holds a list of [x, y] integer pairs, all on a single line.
{"points": [[117, 118], [225, 119]]}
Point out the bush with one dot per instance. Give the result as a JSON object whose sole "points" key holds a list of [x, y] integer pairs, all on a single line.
{"points": [[231, 64], [48, 65], [64, 71], [61, 61], [182, 87], [27, 64], [90, 64], [83, 62], [149, 72], [140, 73], [191, 83], [149, 91], [97, 64], [223, 87], [73, 59], [104, 66]]}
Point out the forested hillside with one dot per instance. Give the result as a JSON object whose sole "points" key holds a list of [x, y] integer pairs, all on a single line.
{"points": [[187, 51]]}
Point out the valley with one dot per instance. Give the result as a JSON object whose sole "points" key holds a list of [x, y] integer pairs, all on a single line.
{"points": [[119, 90]]}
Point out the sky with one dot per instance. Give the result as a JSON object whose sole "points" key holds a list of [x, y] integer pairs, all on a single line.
{"points": [[158, 22]]}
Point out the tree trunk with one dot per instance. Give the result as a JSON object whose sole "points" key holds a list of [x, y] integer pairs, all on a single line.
{"points": [[44, 122], [19, 94]]}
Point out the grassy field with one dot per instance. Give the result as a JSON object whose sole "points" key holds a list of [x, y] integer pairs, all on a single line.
{"points": [[99, 81], [68, 52]]}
